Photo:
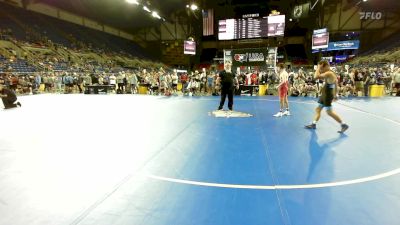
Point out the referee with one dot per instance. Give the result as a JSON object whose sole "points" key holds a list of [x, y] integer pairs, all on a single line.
{"points": [[228, 81]]}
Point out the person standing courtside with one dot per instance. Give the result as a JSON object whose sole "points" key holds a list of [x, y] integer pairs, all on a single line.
{"points": [[228, 82], [9, 98]]}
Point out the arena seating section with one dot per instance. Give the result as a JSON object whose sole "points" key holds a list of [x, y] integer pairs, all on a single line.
{"points": [[387, 50], [68, 39]]}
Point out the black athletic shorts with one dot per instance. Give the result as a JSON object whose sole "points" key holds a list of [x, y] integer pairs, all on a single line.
{"points": [[327, 96]]}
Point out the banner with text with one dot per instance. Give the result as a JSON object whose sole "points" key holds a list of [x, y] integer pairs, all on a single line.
{"points": [[342, 45], [259, 57]]}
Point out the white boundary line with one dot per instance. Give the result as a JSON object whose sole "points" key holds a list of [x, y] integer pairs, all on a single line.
{"points": [[276, 187], [368, 113], [288, 187]]}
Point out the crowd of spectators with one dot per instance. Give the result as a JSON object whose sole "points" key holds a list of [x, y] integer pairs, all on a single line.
{"points": [[352, 82], [59, 73]]}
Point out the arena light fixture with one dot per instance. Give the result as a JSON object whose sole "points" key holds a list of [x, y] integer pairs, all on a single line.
{"points": [[146, 9], [133, 2], [155, 15], [194, 7]]}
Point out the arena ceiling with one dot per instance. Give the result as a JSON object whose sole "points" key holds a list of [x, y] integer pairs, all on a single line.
{"points": [[118, 13], [130, 17], [389, 5]]}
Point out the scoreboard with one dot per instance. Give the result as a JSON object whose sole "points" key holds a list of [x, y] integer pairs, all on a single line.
{"points": [[251, 28], [320, 39], [261, 27]]}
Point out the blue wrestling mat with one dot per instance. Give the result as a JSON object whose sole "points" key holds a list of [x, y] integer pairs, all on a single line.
{"points": [[140, 160]]}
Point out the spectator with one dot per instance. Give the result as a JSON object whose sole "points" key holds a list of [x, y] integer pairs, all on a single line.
{"points": [[162, 82], [135, 83], [38, 81], [9, 98], [175, 80], [59, 83], [359, 82], [309, 86], [120, 82], [78, 80], [45, 81], [298, 85], [154, 85], [396, 81], [14, 82], [69, 83], [106, 79], [347, 86], [101, 80], [387, 80], [184, 81], [210, 83], [87, 80], [113, 81], [95, 79]]}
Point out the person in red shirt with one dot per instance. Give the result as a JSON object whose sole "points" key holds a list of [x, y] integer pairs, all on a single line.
{"points": [[184, 78], [184, 81], [253, 78]]}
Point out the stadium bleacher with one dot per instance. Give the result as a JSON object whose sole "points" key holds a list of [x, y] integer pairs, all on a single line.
{"points": [[25, 24]]}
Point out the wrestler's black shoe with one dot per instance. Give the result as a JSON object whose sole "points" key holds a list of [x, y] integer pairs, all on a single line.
{"points": [[311, 126], [344, 128], [19, 104]]}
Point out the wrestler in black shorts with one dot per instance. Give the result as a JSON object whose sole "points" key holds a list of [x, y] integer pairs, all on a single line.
{"points": [[328, 94]]}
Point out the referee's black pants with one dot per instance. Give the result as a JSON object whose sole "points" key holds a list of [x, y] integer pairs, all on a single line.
{"points": [[224, 93]]}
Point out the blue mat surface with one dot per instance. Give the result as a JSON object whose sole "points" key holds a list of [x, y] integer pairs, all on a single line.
{"points": [[177, 164]]}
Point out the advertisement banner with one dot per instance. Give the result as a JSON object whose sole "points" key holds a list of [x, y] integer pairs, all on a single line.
{"points": [[320, 31], [320, 40], [276, 25], [259, 57], [328, 58], [341, 45], [189, 48], [319, 50], [227, 57], [340, 58]]}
